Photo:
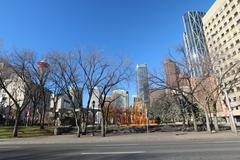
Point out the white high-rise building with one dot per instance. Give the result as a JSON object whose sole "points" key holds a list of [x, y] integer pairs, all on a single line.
{"points": [[95, 98], [222, 31]]}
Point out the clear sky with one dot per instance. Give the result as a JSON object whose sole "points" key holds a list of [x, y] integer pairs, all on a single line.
{"points": [[146, 30]]}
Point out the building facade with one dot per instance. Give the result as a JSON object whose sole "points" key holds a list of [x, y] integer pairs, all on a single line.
{"points": [[142, 83], [121, 98], [222, 31], [95, 100], [171, 72], [196, 50]]}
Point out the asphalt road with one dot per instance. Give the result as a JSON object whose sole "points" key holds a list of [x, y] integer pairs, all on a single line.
{"points": [[179, 150]]}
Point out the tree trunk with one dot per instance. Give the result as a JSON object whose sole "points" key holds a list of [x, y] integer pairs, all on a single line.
{"points": [[207, 121], [194, 120], [184, 122], [78, 131], [78, 124], [87, 115], [215, 122], [55, 118], [15, 129], [33, 115], [85, 124], [7, 122], [40, 118], [103, 129], [44, 110]]}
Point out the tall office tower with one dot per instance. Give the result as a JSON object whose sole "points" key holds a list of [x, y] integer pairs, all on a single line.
{"points": [[222, 30], [196, 50], [121, 98], [142, 83], [172, 72]]}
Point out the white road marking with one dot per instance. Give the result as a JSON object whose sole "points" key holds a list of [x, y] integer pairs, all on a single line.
{"points": [[107, 153], [215, 142], [114, 145], [9, 147]]}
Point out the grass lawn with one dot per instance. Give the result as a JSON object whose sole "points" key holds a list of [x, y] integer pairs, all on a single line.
{"points": [[6, 132]]}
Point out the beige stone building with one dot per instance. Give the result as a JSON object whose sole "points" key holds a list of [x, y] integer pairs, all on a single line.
{"points": [[222, 31]]}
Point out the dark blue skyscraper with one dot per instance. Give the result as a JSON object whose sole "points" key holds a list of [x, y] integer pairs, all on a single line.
{"points": [[142, 83], [195, 44]]}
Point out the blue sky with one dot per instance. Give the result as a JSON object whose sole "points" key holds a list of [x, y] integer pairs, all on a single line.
{"points": [[146, 30]]}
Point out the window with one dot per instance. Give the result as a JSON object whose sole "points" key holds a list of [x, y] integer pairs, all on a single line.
{"points": [[237, 41], [235, 14], [238, 21], [233, 6], [238, 89], [232, 26], [228, 12], [234, 53], [234, 99], [230, 19]]}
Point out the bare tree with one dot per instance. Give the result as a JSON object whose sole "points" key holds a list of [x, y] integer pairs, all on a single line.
{"points": [[69, 79], [15, 81], [116, 73], [93, 67]]}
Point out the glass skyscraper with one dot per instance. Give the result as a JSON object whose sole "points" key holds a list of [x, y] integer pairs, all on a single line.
{"points": [[142, 83], [196, 50]]}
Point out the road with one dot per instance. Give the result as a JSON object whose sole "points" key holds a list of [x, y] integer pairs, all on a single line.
{"points": [[202, 149]]}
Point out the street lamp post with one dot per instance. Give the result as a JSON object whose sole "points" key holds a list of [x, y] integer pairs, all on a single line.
{"points": [[42, 66], [93, 120]]}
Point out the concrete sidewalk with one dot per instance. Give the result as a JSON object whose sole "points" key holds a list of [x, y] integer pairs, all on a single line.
{"points": [[140, 137]]}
